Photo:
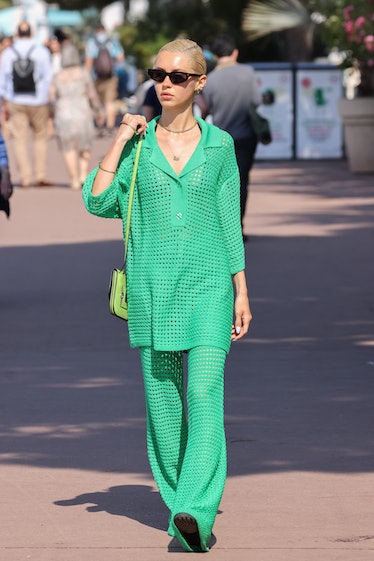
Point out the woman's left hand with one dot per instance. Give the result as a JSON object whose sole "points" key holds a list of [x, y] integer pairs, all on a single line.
{"points": [[243, 317], [243, 314]]}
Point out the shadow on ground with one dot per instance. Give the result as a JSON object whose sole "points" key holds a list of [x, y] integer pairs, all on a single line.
{"points": [[138, 502], [299, 389]]}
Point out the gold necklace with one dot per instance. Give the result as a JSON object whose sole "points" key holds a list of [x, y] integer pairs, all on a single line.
{"points": [[178, 132]]}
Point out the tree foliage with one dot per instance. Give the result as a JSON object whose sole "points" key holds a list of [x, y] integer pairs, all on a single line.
{"points": [[199, 20]]}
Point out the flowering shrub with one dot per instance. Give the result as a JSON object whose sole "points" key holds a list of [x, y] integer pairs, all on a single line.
{"points": [[348, 26]]}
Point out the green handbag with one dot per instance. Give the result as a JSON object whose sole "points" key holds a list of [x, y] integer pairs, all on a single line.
{"points": [[117, 285], [261, 126]]}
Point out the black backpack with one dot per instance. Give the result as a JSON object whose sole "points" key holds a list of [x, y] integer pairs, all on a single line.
{"points": [[23, 73], [103, 63]]}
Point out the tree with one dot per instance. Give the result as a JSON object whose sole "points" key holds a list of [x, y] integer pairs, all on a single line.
{"points": [[201, 20]]}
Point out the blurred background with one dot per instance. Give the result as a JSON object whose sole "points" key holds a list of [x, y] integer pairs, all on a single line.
{"points": [[308, 54]]}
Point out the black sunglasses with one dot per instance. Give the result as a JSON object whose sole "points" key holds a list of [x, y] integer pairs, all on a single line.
{"points": [[175, 77]]}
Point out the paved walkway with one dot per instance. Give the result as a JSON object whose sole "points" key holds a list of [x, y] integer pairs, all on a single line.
{"points": [[74, 474]]}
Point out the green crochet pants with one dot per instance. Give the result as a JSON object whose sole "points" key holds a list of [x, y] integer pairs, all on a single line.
{"points": [[187, 454]]}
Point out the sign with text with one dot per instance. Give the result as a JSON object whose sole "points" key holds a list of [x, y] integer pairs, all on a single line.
{"points": [[319, 132]]}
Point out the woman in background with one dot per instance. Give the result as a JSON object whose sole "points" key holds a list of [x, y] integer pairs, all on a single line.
{"points": [[75, 107]]}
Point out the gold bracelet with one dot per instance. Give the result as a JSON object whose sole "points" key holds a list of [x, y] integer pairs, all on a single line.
{"points": [[123, 123], [106, 170]]}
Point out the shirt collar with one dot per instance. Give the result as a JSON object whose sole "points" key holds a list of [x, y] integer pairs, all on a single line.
{"points": [[209, 138]]}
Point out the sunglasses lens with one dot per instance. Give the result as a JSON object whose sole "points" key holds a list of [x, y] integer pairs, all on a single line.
{"points": [[178, 77], [160, 75], [157, 75]]}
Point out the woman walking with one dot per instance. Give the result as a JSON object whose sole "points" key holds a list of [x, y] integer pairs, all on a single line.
{"points": [[75, 106], [185, 253]]}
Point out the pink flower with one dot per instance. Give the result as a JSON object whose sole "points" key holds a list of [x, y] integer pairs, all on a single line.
{"points": [[360, 22], [369, 43], [347, 12], [349, 26]]}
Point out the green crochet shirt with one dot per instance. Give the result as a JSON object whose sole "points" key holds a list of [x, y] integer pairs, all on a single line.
{"points": [[185, 241]]}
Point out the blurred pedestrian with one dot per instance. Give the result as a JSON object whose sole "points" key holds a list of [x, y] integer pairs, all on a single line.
{"points": [[127, 73], [229, 90], [54, 46], [6, 187], [151, 107], [76, 105], [5, 41], [185, 254], [102, 55], [25, 101], [135, 101]]}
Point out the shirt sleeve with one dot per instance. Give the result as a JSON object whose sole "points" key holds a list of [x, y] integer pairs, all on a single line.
{"points": [[113, 202], [3, 153], [255, 92], [91, 48], [229, 208], [106, 204], [5, 74], [115, 49]]}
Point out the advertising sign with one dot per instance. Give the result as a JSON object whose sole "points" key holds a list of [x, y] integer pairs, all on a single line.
{"points": [[276, 87], [319, 132]]}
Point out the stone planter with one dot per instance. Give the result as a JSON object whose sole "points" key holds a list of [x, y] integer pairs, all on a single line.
{"points": [[358, 120]]}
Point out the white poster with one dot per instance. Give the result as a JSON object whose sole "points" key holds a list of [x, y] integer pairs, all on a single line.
{"points": [[276, 88], [319, 132]]}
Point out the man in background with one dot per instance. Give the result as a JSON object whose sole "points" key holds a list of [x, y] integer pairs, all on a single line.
{"points": [[103, 54], [228, 92], [27, 107]]}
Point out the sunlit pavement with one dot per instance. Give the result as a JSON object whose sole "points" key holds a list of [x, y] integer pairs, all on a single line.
{"points": [[75, 479]]}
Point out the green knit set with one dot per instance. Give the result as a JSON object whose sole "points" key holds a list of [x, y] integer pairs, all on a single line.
{"points": [[185, 244]]}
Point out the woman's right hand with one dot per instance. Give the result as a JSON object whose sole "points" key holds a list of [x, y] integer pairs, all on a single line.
{"points": [[130, 125]]}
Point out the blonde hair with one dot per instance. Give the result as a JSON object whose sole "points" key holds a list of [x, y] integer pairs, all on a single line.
{"points": [[190, 49]]}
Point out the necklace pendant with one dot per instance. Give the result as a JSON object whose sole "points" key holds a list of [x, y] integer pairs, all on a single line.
{"points": [[176, 159]]}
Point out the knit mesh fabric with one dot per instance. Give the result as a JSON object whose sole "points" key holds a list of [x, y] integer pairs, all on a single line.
{"points": [[185, 241], [188, 459]]}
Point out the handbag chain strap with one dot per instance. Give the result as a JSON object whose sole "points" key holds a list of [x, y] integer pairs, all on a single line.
{"points": [[131, 196]]}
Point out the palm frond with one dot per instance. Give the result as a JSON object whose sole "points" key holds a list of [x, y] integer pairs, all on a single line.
{"points": [[263, 17]]}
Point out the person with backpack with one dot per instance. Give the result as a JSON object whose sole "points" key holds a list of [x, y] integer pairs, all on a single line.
{"points": [[25, 78], [103, 55]]}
